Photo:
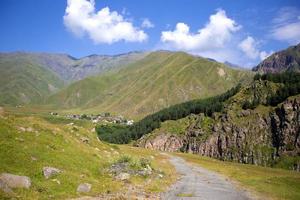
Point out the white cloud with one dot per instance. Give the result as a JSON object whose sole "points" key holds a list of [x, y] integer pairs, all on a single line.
{"points": [[219, 38], [286, 25], [104, 26], [263, 55], [288, 32], [215, 34], [251, 48], [248, 46], [147, 23]]}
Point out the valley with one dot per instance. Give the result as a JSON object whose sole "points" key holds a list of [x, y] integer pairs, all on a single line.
{"points": [[160, 126]]}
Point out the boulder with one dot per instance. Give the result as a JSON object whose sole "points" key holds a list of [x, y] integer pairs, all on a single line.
{"points": [[84, 188], [50, 171], [123, 176], [4, 187], [14, 181], [85, 140]]}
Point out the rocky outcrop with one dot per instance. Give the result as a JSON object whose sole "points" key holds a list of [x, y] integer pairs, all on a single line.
{"points": [[162, 142], [286, 60], [255, 138], [245, 142], [285, 128], [260, 137]]}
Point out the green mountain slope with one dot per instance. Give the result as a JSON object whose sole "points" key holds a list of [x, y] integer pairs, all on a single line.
{"points": [[71, 69], [159, 80], [30, 77], [23, 81]]}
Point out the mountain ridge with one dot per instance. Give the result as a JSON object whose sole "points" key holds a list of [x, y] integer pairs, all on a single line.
{"points": [[281, 61], [160, 79]]}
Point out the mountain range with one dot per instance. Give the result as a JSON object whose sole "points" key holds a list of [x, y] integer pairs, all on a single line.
{"points": [[31, 77], [157, 81], [134, 84]]}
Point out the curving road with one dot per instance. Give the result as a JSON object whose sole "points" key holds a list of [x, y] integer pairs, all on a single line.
{"points": [[202, 184]]}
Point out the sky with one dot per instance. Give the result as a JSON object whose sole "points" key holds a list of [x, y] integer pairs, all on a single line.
{"points": [[238, 31]]}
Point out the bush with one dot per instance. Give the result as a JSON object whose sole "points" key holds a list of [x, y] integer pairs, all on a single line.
{"points": [[124, 159], [144, 162], [133, 163]]}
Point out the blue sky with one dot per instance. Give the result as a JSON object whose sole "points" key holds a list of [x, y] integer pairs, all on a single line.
{"points": [[237, 31]]}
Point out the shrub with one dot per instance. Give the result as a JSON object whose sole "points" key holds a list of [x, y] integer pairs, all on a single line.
{"points": [[124, 159]]}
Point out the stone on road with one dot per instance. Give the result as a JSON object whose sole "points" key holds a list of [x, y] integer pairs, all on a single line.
{"points": [[202, 184]]}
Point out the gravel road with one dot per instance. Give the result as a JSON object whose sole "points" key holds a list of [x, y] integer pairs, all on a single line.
{"points": [[199, 183]]}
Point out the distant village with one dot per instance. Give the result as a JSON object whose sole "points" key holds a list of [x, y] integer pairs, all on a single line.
{"points": [[105, 118]]}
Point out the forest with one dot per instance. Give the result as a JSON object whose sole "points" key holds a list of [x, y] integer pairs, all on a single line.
{"points": [[121, 134], [290, 87]]}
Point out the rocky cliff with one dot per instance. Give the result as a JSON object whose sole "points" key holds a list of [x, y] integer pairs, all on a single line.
{"points": [[265, 136], [286, 60]]}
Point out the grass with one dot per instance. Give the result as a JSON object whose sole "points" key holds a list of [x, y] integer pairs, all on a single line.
{"points": [[52, 142], [177, 127], [185, 195], [265, 182]]}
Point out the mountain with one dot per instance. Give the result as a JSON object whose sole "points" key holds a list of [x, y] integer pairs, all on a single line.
{"points": [[24, 81], [286, 60], [234, 66], [71, 69], [161, 79], [31, 77]]}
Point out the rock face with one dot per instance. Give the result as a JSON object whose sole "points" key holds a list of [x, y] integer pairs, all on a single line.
{"points": [[245, 136], [286, 60], [50, 171], [162, 142], [285, 128], [256, 138], [14, 181], [84, 188]]}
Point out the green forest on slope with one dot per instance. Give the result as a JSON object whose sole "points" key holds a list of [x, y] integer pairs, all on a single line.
{"points": [[125, 134]]}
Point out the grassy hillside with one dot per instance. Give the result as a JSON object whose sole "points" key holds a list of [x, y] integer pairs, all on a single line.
{"points": [[23, 81], [71, 69], [30, 77], [159, 80], [29, 143]]}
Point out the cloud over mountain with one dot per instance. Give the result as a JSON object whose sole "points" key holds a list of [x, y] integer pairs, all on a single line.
{"points": [[103, 26], [213, 35], [250, 47]]}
